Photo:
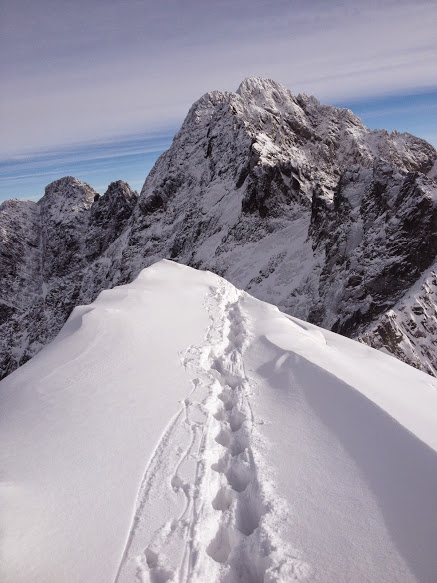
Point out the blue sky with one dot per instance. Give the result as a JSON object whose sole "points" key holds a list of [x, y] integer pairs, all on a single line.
{"points": [[414, 113], [98, 163], [97, 89]]}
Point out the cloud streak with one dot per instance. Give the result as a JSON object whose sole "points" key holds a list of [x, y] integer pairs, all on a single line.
{"points": [[83, 71], [98, 164]]}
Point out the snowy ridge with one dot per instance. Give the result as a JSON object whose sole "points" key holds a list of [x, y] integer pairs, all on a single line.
{"points": [[294, 201], [215, 469], [178, 430]]}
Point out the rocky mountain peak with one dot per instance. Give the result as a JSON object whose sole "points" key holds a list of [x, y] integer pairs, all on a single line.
{"points": [[108, 217], [294, 201], [66, 196], [120, 188], [264, 93]]}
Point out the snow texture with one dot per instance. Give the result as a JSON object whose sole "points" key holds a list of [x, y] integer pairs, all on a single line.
{"points": [[179, 430]]}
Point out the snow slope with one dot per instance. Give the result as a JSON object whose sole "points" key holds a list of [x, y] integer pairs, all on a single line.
{"points": [[178, 429]]}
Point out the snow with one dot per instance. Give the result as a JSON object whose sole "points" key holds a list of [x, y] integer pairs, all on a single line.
{"points": [[178, 429], [234, 195]]}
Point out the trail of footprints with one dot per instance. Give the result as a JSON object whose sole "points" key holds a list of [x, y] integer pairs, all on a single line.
{"points": [[216, 536], [236, 495]]}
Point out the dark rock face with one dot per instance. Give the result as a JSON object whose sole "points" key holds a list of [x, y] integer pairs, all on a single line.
{"points": [[294, 201], [64, 222], [379, 236], [409, 331], [19, 254], [45, 250], [109, 215]]}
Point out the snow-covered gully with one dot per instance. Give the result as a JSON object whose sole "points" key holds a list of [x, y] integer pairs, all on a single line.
{"points": [[211, 477]]}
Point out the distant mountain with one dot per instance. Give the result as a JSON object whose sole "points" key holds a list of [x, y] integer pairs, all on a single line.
{"points": [[294, 201]]}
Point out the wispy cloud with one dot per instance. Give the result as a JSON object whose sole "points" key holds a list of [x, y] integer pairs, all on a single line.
{"points": [[85, 71], [91, 152], [23, 176]]}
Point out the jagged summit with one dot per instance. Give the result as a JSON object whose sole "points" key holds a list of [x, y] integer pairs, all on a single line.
{"points": [[262, 91], [120, 187], [274, 97], [295, 201], [68, 193]]}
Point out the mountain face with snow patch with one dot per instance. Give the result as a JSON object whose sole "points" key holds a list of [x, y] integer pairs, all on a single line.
{"points": [[45, 249], [294, 201]]}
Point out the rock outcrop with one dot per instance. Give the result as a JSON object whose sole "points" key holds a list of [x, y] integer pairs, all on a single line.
{"points": [[45, 249]]}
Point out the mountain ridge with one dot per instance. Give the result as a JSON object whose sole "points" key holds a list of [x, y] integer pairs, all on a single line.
{"points": [[213, 438], [294, 201]]}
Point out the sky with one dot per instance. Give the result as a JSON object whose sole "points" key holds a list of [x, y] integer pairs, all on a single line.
{"points": [[97, 89]]}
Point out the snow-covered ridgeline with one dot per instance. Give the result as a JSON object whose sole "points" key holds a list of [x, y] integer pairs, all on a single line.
{"points": [[294, 201], [230, 511], [179, 430]]}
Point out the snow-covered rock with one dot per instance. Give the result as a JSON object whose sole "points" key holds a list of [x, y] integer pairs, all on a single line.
{"points": [[409, 330], [177, 429], [294, 201], [45, 248]]}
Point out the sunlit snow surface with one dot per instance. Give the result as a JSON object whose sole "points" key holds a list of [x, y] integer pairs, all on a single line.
{"points": [[178, 430]]}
